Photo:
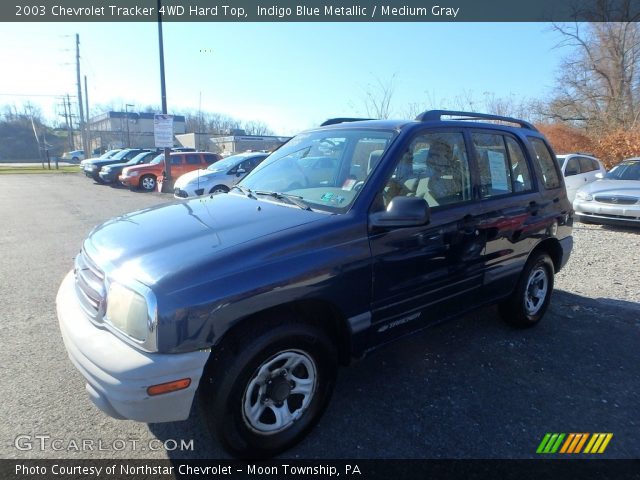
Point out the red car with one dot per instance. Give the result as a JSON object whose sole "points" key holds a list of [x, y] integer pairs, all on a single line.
{"points": [[146, 176]]}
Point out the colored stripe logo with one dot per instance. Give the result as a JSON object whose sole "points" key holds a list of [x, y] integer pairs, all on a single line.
{"points": [[574, 443]]}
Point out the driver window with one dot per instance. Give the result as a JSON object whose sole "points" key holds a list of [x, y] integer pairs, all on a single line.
{"points": [[433, 167]]}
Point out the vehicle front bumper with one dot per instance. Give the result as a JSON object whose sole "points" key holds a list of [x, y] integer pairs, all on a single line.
{"points": [[607, 213], [117, 374], [108, 177], [129, 181]]}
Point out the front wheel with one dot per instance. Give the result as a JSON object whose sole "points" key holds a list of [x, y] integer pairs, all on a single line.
{"points": [[528, 303], [148, 183], [219, 189], [264, 394]]}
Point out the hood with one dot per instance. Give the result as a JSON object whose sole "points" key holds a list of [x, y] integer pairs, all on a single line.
{"points": [[118, 165], [614, 187], [192, 176], [153, 244], [143, 167]]}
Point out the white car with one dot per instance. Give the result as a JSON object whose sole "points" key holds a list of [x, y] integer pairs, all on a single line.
{"points": [[578, 170], [219, 176], [73, 156], [615, 200]]}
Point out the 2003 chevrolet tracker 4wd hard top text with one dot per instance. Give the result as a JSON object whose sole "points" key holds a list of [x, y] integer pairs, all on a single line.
{"points": [[349, 236]]}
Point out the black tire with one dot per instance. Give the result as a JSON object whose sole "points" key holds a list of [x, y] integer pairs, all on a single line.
{"points": [[148, 183], [528, 303], [219, 189], [75, 160], [245, 376]]}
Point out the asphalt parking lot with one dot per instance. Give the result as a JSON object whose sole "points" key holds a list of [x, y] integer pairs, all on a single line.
{"points": [[472, 388]]}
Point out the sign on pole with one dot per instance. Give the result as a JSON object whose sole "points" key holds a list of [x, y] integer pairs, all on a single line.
{"points": [[163, 130]]}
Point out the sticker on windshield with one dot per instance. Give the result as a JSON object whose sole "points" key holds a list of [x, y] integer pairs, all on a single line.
{"points": [[332, 198]]}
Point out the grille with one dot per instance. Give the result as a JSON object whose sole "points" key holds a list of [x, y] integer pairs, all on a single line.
{"points": [[90, 286], [616, 199]]}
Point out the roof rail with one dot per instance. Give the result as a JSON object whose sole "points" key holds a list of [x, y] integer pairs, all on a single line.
{"points": [[333, 121], [435, 116]]}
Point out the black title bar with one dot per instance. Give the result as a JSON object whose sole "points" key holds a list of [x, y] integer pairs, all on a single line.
{"points": [[319, 11]]}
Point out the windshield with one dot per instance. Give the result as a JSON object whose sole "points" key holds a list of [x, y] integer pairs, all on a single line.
{"points": [[137, 158], [227, 163], [323, 169], [158, 159], [629, 170], [109, 154]]}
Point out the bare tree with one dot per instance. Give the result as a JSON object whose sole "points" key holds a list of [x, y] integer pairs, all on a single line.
{"points": [[257, 128], [377, 97], [599, 82]]}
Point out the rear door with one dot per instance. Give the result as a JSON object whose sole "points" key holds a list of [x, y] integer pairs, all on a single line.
{"points": [[509, 208], [574, 177]]}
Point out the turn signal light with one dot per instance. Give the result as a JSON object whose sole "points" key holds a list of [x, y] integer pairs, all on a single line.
{"points": [[169, 387]]}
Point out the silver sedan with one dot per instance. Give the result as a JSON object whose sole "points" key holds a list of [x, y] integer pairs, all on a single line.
{"points": [[219, 176], [614, 200]]}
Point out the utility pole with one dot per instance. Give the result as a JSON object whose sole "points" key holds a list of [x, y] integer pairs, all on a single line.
{"points": [[66, 122], [80, 107], [126, 111], [73, 144], [87, 125], [166, 184]]}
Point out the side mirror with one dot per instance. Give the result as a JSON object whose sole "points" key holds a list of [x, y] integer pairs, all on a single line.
{"points": [[402, 212], [599, 175], [240, 171]]}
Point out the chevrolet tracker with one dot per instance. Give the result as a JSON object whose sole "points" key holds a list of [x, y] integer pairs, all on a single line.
{"points": [[349, 236]]}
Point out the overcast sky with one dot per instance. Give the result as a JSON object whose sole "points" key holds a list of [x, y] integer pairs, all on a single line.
{"points": [[290, 76]]}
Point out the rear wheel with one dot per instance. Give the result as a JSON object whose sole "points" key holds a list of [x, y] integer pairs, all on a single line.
{"points": [[264, 393], [528, 303], [148, 183]]}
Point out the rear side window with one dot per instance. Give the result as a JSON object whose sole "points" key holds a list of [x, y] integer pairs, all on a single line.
{"points": [[493, 164], [587, 165], [544, 158], [520, 172], [193, 159]]}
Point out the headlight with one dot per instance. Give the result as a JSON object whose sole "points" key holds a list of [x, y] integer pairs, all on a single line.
{"points": [[584, 196], [132, 174], [128, 311], [106, 169], [93, 168]]}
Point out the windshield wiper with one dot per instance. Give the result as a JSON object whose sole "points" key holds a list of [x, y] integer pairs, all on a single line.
{"points": [[292, 199], [247, 191]]}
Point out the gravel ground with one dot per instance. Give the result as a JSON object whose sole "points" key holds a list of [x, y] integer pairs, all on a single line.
{"points": [[470, 388], [604, 264]]}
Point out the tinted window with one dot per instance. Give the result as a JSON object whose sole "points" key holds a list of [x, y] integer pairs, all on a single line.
{"points": [[520, 173], [587, 165], [176, 159], [434, 167], [573, 167], [544, 158], [193, 159], [209, 159]]}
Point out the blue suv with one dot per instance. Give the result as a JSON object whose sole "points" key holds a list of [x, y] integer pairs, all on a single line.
{"points": [[349, 236]]}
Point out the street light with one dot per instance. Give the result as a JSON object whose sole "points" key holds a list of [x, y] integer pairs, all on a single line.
{"points": [[126, 111]]}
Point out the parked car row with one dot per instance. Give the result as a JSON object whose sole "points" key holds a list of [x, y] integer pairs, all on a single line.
{"points": [[197, 173]]}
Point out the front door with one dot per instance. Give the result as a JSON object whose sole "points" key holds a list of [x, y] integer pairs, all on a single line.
{"points": [[424, 274]]}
